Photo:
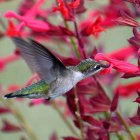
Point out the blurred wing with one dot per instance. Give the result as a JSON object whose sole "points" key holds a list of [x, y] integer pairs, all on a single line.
{"points": [[40, 59]]}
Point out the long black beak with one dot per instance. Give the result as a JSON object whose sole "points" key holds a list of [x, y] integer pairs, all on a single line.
{"points": [[105, 65]]}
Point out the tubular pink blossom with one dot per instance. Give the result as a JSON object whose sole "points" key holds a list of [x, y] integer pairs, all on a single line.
{"points": [[117, 54], [13, 88], [36, 102], [119, 65], [8, 59], [9, 127], [4, 110], [75, 4], [125, 19], [29, 18], [34, 24]]}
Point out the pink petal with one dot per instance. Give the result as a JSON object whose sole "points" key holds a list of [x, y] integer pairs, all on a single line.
{"points": [[13, 88], [29, 17], [9, 127], [125, 19], [138, 111], [135, 120], [119, 65], [70, 138], [11, 14], [114, 103], [37, 25], [34, 10], [4, 110], [137, 100], [36, 102], [75, 4], [11, 29], [92, 121], [53, 136], [8, 59], [117, 54], [128, 89], [2, 65]]}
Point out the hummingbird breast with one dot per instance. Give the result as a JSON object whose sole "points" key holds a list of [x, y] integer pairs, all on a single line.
{"points": [[64, 83]]}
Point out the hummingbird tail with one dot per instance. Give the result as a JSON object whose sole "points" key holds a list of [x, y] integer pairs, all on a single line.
{"points": [[12, 95]]}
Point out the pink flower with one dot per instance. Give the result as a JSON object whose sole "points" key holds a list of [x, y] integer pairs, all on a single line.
{"points": [[128, 89], [29, 18], [66, 8], [36, 102], [127, 20], [34, 24], [138, 98], [4, 110], [119, 65], [135, 40], [129, 51], [53, 136], [70, 138], [92, 27], [136, 119], [9, 127], [11, 30], [8, 59], [75, 3], [25, 6], [114, 103], [13, 88]]}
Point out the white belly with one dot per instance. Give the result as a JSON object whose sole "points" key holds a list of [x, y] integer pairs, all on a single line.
{"points": [[63, 85]]}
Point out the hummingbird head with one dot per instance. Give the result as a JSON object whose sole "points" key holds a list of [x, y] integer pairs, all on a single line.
{"points": [[89, 67]]}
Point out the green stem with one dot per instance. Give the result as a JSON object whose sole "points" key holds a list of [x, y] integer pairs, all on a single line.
{"points": [[16, 112], [107, 116], [132, 136], [120, 137], [80, 42], [72, 39], [64, 118], [78, 114]]}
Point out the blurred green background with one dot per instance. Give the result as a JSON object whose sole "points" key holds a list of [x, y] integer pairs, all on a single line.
{"points": [[44, 119]]}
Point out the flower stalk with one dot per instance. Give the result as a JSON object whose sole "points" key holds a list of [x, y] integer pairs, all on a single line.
{"points": [[81, 45], [64, 118], [132, 136], [21, 119], [73, 42], [78, 114]]}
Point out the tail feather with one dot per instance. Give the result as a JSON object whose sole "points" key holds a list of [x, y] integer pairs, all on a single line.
{"points": [[12, 95]]}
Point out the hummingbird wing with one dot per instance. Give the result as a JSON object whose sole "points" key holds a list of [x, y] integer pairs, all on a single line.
{"points": [[40, 59]]}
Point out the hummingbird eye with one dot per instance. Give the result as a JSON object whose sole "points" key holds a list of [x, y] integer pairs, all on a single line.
{"points": [[97, 67]]}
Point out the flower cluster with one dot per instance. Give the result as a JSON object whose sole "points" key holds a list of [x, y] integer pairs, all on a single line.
{"points": [[93, 110]]}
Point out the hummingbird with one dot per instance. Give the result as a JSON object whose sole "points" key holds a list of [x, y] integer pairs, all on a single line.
{"points": [[56, 79]]}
